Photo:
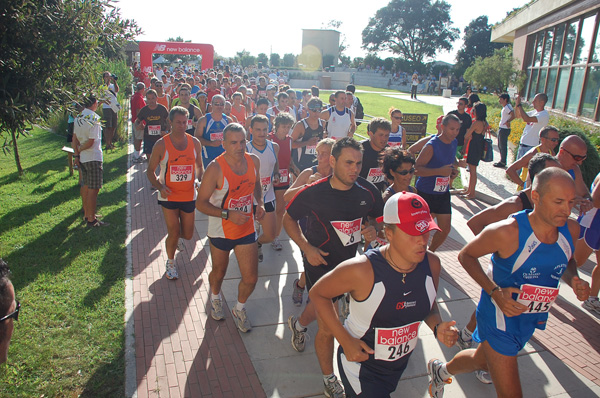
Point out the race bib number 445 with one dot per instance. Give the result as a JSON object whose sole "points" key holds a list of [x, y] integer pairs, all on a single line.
{"points": [[538, 299], [181, 173], [243, 204], [348, 231], [392, 344]]}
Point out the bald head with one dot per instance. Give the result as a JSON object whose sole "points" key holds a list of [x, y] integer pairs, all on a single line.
{"points": [[573, 142], [549, 176]]}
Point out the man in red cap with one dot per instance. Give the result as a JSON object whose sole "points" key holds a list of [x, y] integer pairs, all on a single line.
{"points": [[392, 290]]}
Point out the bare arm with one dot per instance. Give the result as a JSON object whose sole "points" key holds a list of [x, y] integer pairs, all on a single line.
{"points": [[493, 214], [570, 276], [352, 125], [298, 184], [158, 152], [511, 171], [199, 165]]}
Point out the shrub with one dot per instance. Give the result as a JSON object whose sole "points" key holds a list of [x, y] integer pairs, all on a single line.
{"points": [[591, 166]]}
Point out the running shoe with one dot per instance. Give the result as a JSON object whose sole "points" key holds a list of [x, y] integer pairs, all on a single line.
{"points": [[592, 305], [241, 320], [436, 384], [333, 388], [260, 253], [483, 376], [139, 159], [298, 294], [298, 337], [180, 245], [276, 245], [216, 310], [464, 344], [500, 165], [171, 270]]}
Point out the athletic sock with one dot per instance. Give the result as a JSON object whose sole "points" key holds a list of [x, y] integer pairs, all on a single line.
{"points": [[299, 327], [136, 154], [329, 378], [443, 372], [298, 285], [214, 297], [466, 334], [240, 306]]}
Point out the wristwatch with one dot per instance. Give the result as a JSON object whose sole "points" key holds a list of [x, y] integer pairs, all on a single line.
{"points": [[224, 214]]}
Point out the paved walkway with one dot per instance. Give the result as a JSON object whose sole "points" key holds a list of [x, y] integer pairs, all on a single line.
{"points": [[180, 351]]}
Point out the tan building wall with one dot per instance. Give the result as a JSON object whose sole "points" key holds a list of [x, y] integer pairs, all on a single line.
{"points": [[325, 40]]}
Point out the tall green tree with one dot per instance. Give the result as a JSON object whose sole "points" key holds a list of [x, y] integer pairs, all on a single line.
{"points": [[289, 60], [476, 44], [262, 57], [274, 60], [496, 72], [413, 29], [51, 54]]}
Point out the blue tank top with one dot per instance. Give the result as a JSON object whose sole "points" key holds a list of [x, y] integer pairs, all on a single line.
{"points": [[443, 155], [213, 132], [534, 263], [388, 320]]}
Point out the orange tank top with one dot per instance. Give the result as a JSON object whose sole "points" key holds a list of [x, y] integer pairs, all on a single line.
{"points": [[164, 100], [178, 171], [236, 193], [240, 115]]}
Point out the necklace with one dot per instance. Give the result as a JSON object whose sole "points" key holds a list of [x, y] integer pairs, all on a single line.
{"points": [[404, 272]]}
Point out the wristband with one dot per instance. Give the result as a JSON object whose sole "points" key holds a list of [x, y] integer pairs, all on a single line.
{"points": [[494, 289], [76, 156], [224, 214], [435, 330]]}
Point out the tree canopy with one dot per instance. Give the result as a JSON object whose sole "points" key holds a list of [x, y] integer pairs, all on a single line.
{"points": [[496, 72], [476, 44], [51, 52], [414, 29]]}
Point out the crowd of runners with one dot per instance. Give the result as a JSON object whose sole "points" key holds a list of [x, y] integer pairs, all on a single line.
{"points": [[257, 157]]}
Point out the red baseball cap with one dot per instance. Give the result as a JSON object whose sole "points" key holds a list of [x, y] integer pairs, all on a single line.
{"points": [[409, 212]]}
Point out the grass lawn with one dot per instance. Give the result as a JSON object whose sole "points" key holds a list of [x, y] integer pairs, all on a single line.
{"points": [[69, 279], [379, 105]]}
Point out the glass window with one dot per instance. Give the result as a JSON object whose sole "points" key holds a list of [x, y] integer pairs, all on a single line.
{"points": [[575, 91], [585, 39], [538, 49], [547, 47], [558, 39], [590, 96], [551, 84], [570, 42], [534, 75], [542, 81], [561, 88]]}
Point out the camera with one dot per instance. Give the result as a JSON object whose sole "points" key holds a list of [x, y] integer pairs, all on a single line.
{"points": [[114, 76]]}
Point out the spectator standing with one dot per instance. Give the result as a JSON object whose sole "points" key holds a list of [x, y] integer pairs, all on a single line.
{"points": [[9, 310], [506, 116], [110, 108], [536, 120], [137, 103]]}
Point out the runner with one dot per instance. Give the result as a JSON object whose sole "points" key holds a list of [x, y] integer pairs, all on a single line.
{"points": [[340, 120], [397, 136], [399, 167], [306, 177], [156, 119], [161, 97], [379, 133], [210, 130], [280, 136], [194, 113], [392, 290], [262, 105], [305, 135], [282, 106], [238, 109], [337, 208], [435, 166], [178, 155], [531, 252], [267, 152], [229, 186]]}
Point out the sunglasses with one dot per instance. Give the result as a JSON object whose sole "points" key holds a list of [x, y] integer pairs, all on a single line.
{"points": [[314, 109], [552, 139], [218, 104], [405, 172], [14, 315], [397, 117], [577, 158]]}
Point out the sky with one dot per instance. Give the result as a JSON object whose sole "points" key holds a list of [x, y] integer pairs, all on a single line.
{"points": [[274, 26]]}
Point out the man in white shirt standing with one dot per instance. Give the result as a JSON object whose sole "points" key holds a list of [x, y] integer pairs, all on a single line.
{"points": [[506, 116], [536, 120]]}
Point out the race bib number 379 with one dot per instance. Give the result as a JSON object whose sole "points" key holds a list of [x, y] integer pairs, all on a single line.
{"points": [[392, 344], [538, 299], [348, 231]]}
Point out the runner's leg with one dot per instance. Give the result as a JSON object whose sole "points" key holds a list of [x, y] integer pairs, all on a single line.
{"points": [[173, 229], [247, 256], [444, 222]]}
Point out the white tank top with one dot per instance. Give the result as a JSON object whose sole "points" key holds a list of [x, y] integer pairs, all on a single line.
{"points": [[338, 125], [267, 163]]}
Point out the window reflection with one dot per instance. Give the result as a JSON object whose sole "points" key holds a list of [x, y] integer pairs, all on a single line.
{"points": [[575, 93], [583, 47], [570, 42], [590, 96], [560, 32]]}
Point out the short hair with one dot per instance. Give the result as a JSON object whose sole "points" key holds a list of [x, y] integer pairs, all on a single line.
{"points": [[464, 99], [450, 117], [178, 110], [152, 92], [505, 97], [237, 94], [153, 80], [351, 88], [281, 95], [5, 300], [338, 93], [262, 101], [314, 90], [543, 178], [544, 132], [543, 97], [379, 123], [289, 91], [234, 127], [314, 102], [480, 111], [258, 119], [282, 119], [538, 163], [185, 86], [140, 86], [305, 92], [393, 157], [346, 142], [217, 96], [89, 100], [325, 141]]}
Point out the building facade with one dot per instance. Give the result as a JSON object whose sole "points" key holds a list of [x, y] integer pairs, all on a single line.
{"points": [[327, 41], [556, 43]]}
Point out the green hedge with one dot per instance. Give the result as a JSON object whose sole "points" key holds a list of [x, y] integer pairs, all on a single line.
{"points": [[591, 166]]}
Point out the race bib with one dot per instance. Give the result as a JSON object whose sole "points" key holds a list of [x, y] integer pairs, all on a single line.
{"points": [[284, 176], [392, 344], [538, 299], [394, 143], [375, 175], [265, 182], [216, 136], [154, 129], [348, 231], [190, 124], [181, 173], [311, 150], [243, 204], [378, 242], [441, 184]]}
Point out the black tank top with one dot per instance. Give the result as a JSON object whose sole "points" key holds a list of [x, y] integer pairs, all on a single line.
{"points": [[306, 156], [393, 311], [525, 200], [191, 116]]}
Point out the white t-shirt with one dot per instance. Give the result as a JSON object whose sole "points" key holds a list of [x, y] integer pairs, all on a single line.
{"points": [[505, 115], [531, 132], [87, 126], [113, 99]]}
